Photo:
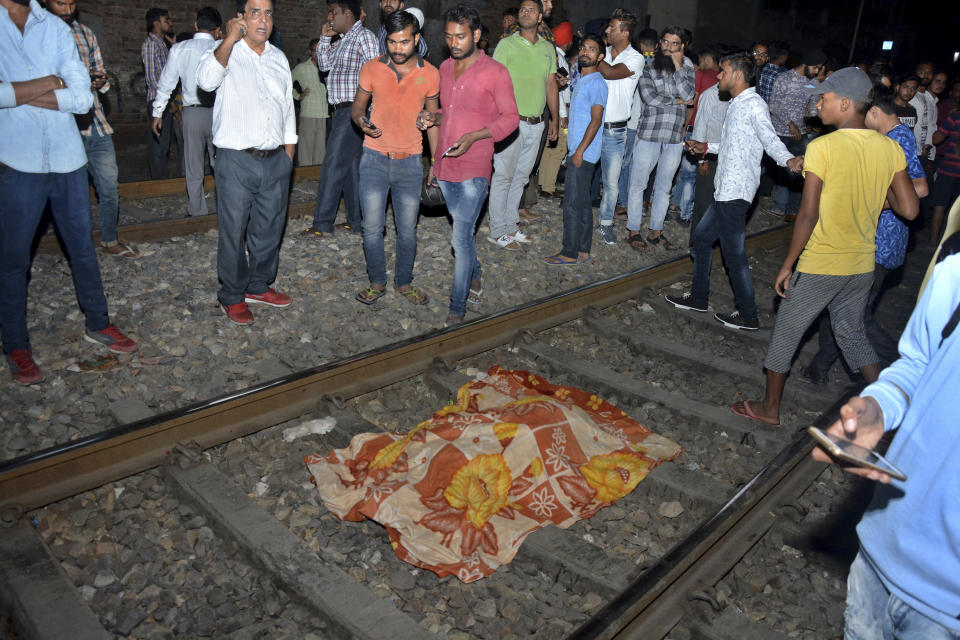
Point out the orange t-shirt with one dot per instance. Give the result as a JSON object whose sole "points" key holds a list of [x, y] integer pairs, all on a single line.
{"points": [[397, 102]]}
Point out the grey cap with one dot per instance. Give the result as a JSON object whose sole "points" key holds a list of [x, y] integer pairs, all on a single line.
{"points": [[849, 82]]}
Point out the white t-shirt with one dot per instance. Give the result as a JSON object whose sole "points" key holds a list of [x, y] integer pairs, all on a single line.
{"points": [[620, 93]]}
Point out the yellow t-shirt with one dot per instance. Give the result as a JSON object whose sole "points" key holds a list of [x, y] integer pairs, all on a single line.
{"points": [[856, 167]]}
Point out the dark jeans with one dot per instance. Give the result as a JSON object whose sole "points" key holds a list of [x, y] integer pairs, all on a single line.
{"points": [[883, 344], [158, 148], [402, 179], [725, 221], [464, 202], [703, 195], [577, 212], [102, 166], [251, 211], [24, 197], [340, 174], [789, 185]]}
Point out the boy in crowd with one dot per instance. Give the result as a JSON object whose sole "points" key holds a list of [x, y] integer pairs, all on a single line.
{"points": [[906, 90], [586, 117], [848, 173]]}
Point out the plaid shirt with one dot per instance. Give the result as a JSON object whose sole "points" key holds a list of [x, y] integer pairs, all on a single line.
{"points": [[421, 46], [768, 74], [663, 119], [89, 50], [154, 56], [344, 59]]}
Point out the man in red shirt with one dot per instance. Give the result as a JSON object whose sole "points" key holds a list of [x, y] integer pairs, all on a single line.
{"points": [[479, 109]]}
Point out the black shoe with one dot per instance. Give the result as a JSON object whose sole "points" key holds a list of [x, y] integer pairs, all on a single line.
{"points": [[736, 321], [814, 375], [684, 222], [686, 301]]}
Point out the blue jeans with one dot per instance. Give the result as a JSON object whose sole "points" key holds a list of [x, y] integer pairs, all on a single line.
{"points": [[686, 184], [251, 212], [647, 156], [464, 201], [613, 145], [789, 185], [726, 221], [873, 613], [340, 174], [402, 179], [577, 212], [623, 192], [102, 166], [24, 197]]}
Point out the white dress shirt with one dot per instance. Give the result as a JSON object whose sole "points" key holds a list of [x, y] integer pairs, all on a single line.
{"points": [[254, 107], [181, 66], [566, 93], [926, 126], [708, 127], [747, 133], [620, 93]]}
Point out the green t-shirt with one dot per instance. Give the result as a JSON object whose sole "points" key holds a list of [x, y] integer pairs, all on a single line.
{"points": [[529, 65]]}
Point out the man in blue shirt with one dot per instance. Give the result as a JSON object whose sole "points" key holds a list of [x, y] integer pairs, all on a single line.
{"points": [[586, 115], [44, 84], [905, 582]]}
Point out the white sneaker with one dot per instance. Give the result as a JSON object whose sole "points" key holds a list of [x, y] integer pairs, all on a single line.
{"points": [[506, 241], [520, 236]]}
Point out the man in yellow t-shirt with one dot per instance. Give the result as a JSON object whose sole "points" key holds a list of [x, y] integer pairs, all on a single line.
{"points": [[848, 176]]}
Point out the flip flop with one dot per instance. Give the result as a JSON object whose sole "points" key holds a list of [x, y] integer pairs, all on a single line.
{"points": [[414, 295], [559, 260], [370, 295], [748, 413]]}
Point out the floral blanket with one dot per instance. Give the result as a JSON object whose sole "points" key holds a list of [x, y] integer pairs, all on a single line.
{"points": [[459, 493]]}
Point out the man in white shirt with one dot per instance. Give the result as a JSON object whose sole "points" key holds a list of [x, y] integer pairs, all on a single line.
{"points": [[255, 133], [926, 106], [621, 70], [197, 112], [708, 127], [747, 133]]}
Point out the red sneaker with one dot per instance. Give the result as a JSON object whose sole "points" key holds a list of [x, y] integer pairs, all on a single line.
{"points": [[25, 370], [271, 298], [112, 339], [238, 313]]}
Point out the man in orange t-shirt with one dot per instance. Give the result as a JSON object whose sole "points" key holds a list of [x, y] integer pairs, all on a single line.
{"points": [[401, 84]]}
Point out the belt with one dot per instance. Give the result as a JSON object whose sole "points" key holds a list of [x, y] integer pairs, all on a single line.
{"points": [[615, 125], [529, 120], [395, 155], [340, 105], [263, 153]]}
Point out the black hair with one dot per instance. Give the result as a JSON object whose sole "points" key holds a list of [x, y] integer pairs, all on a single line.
{"points": [[153, 15], [512, 11], [882, 98], [909, 77], [742, 61], [601, 44], [710, 50], [626, 19], [760, 43], [778, 49], [400, 20], [648, 36], [184, 35], [353, 6], [208, 19], [661, 61], [539, 5], [313, 43], [675, 30], [463, 13]]}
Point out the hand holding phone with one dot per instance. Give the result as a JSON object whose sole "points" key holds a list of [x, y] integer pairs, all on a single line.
{"points": [[848, 452]]}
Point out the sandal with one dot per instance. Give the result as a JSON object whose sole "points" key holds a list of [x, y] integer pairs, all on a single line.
{"points": [[121, 250], [371, 294], [636, 241], [558, 260], [661, 239], [413, 294], [475, 297], [316, 233]]}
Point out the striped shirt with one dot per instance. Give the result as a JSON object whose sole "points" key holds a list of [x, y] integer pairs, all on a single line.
{"points": [[153, 52], [89, 50], [343, 60], [663, 119]]}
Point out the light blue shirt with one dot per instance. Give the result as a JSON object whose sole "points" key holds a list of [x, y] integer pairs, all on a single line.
{"points": [[41, 140], [747, 132]]}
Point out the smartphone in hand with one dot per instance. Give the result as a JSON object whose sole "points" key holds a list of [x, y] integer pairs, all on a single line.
{"points": [[367, 122], [849, 452]]}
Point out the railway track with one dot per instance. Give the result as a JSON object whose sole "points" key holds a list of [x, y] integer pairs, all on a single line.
{"points": [[233, 493]]}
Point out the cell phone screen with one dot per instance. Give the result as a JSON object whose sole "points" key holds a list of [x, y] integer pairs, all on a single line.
{"points": [[449, 149], [847, 451]]}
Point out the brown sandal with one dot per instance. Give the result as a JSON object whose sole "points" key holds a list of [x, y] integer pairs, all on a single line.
{"points": [[636, 241], [662, 239], [414, 295]]}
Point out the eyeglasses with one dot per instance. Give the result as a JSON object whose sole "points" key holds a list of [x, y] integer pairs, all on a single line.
{"points": [[758, 54], [670, 43], [528, 10]]}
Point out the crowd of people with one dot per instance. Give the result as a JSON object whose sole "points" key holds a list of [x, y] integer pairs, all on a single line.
{"points": [[641, 126]]}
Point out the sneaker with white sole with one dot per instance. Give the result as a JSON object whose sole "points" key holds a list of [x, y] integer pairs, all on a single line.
{"points": [[608, 233], [506, 241], [111, 338], [736, 321], [686, 301], [520, 236]]}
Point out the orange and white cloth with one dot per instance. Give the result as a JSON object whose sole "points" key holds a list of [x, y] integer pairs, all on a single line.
{"points": [[459, 493]]}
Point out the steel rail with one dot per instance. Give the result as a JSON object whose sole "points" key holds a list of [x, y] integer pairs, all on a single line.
{"points": [[40, 478]]}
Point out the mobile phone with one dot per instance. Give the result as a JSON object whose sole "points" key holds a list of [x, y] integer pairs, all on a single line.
{"points": [[449, 149], [847, 451], [367, 122]]}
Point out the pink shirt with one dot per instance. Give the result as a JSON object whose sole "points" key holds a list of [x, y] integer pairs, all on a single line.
{"points": [[481, 97]]}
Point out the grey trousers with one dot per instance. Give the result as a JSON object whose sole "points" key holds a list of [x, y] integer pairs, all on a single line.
{"points": [[252, 197], [197, 140], [312, 141], [511, 172]]}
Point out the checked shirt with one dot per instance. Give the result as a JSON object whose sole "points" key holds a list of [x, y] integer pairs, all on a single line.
{"points": [[343, 60]]}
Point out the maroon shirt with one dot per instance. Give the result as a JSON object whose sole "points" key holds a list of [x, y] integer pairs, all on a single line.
{"points": [[481, 97]]}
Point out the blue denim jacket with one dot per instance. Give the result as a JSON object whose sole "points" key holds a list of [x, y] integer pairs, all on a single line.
{"points": [[43, 140]]}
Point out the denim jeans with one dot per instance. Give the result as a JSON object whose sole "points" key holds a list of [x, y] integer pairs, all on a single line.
{"points": [[789, 185], [102, 167], [612, 147], [647, 156], [623, 191], [402, 179], [158, 147], [873, 613], [683, 191], [726, 221], [24, 197], [511, 172], [577, 212], [464, 201], [340, 174], [252, 210]]}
